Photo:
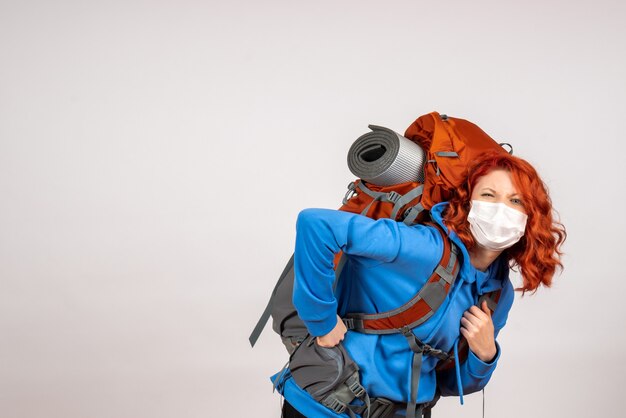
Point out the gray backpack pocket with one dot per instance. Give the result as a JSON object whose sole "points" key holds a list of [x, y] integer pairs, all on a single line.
{"points": [[329, 375]]}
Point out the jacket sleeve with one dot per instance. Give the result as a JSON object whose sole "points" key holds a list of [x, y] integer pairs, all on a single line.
{"points": [[475, 373], [320, 234]]}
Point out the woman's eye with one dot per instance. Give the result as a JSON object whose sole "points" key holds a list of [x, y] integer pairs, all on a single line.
{"points": [[486, 195], [516, 201]]}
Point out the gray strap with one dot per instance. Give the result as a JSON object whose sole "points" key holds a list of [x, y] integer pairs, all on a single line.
{"points": [[335, 404], [436, 166], [446, 154], [448, 273], [411, 214], [491, 304], [339, 399], [351, 192], [416, 369], [444, 274], [339, 268], [367, 191], [368, 405], [350, 389], [406, 198], [398, 200], [367, 208], [392, 197], [411, 407], [433, 294], [376, 408], [419, 350], [256, 332]]}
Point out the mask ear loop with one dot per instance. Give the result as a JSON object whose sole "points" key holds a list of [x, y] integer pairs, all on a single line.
{"points": [[510, 150]]}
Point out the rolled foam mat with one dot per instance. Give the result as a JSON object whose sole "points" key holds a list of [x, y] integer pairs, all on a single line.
{"points": [[384, 157]]}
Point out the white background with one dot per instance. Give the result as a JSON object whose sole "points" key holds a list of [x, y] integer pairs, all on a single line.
{"points": [[154, 156]]}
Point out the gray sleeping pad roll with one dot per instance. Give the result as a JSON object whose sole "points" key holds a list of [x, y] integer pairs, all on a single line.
{"points": [[384, 158]]}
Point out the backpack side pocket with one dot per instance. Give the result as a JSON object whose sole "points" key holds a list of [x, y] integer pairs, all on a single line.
{"points": [[328, 374]]}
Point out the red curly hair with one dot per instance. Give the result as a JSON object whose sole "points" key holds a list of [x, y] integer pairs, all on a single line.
{"points": [[537, 254]]}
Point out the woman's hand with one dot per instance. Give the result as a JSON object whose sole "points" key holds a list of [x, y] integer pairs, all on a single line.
{"points": [[335, 336], [477, 328]]}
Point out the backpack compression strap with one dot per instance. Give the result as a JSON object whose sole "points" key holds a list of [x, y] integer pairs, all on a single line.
{"points": [[399, 201], [421, 307]]}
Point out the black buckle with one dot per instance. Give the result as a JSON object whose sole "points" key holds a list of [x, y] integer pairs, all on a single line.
{"points": [[440, 354], [348, 322]]}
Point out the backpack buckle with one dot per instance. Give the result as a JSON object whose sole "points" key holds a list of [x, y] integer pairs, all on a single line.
{"points": [[431, 351], [426, 349], [393, 197], [355, 386], [348, 322], [335, 405], [406, 331], [350, 193]]}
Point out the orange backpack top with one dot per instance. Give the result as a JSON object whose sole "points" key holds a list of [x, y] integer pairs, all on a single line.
{"points": [[450, 145]]}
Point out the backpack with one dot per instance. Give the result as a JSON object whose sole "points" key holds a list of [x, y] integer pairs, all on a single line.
{"points": [[448, 145]]}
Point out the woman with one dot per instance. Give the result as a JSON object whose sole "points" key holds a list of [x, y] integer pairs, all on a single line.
{"points": [[500, 218]]}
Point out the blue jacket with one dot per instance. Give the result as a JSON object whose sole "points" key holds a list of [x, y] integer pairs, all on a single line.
{"points": [[388, 263]]}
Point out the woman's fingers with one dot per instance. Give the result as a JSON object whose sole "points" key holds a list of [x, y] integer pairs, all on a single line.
{"points": [[335, 336], [465, 333], [478, 312], [485, 308], [467, 324], [477, 328], [474, 319]]}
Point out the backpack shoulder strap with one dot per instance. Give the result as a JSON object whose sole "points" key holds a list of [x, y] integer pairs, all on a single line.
{"points": [[492, 299], [422, 306]]}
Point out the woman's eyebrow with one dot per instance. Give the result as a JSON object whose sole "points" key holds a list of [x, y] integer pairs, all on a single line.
{"points": [[484, 189]]}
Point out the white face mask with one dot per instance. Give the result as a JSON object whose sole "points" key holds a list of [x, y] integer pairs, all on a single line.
{"points": [[496, 226]]}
